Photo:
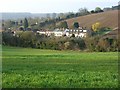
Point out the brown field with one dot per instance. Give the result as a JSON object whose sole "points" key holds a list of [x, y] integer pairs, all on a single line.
{"points": [[107, 19]]}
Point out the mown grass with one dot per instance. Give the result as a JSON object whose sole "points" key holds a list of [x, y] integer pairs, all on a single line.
{"points": [[35, 68]]}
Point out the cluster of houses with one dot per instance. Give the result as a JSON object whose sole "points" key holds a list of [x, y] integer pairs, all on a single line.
{"points": [[80, 32], [66, 32]]}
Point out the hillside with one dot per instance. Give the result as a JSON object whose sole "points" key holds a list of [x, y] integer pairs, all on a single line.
{"points": [[107, 19]]}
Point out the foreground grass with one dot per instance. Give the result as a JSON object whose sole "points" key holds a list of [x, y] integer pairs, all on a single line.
{"points": [[26, 68]]}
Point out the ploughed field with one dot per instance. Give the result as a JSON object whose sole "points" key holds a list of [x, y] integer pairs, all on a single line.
{"points": [[106, 19], [35, 68]]}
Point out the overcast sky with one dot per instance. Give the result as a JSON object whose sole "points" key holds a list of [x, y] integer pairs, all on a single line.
{"points": [[50, 6]]}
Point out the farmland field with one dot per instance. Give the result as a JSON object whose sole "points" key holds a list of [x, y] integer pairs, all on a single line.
{"points": [[107, 19], [27, 68]]}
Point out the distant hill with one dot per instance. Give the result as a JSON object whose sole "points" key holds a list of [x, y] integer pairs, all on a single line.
{"points": [[6, 16], [107, 19]]}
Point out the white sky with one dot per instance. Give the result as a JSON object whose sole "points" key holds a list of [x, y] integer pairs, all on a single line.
{"points": [[50, 6]]}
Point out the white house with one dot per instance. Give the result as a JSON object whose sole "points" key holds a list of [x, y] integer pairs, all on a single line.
{"points": [[58, 34], [48, 33], [68, 32], [82, 35], [78, 33]]}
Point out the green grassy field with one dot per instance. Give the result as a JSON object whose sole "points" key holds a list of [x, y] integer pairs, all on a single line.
{"points": [[27, 68]]}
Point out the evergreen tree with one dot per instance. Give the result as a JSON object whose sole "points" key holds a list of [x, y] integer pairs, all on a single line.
{"points": [[25, 23], [76, 25], [21, 22]]}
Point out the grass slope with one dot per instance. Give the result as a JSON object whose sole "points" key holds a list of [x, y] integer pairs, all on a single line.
{"points": [[25, 68], [107, 19]]}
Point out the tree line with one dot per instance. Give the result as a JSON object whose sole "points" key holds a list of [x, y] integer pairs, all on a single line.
{"points": [[34, 40]]}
